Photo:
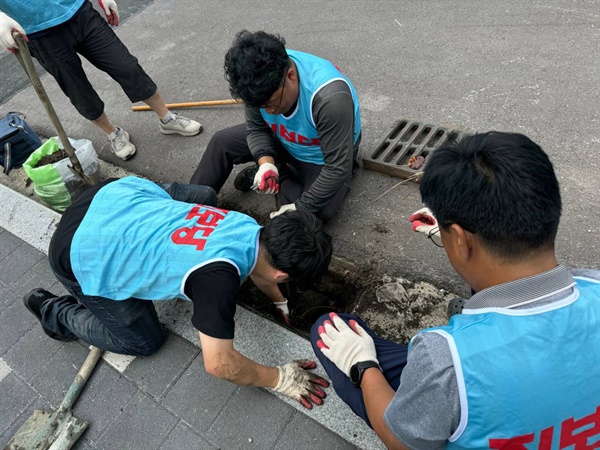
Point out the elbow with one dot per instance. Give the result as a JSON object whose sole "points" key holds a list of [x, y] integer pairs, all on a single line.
{"points": [[223, 367]]}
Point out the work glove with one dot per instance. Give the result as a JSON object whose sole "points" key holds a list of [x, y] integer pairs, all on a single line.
{"points": [[265, 180], [345, 345], [110, 11], [284, 208], [7, 27], [296, 382], [424, 222], [283, 310]]}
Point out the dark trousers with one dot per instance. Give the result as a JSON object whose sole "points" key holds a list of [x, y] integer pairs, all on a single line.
{"points": [[88, 35], [392, 359], [129, 327], [228, 147]]}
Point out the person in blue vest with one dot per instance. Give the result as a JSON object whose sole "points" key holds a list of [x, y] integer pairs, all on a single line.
{"points": [[302, 127], [128, 241], [519, 368], [58, 31]]}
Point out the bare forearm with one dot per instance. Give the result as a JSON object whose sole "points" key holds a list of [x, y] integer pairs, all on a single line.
{"points": [[269, 288], [235, 367], [377, 395]]}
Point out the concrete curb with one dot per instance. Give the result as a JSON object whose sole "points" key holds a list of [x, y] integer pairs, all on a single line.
{"points": [[256, 337]]}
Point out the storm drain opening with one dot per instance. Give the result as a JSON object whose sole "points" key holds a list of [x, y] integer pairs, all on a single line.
{"points": [[336, 291], [403, 150]]}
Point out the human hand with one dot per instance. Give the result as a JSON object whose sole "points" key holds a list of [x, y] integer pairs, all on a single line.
{"points": [[110, 11], [7, 27], [424, 222], [345, 345], [284, 208], [265, 180], [283, 310], [296, 382]]}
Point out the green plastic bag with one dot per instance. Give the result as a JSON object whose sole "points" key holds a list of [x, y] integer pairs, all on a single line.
{"points": [[54, 183]]}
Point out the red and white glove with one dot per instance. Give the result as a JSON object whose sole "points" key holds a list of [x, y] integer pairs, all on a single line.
{"points": [[345, 345], [110, 11], [424, 222], [266, 179], [296, 382], [283, 310], [284, 208], [7, 27]]}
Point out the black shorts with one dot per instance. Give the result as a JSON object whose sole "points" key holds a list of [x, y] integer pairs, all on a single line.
{"points": [[88, 34]]}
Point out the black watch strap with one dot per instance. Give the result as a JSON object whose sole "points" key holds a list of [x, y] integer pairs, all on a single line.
{"points": [[357, 371]]}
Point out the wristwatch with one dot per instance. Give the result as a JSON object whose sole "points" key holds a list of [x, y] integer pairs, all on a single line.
{"points": [[357, 371]]}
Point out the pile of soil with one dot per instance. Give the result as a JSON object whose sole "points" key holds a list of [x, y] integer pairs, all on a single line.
{"points": [[48, 159]]}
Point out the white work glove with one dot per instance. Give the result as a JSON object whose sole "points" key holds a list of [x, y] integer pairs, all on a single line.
{"points": [[424, 222], [296, 382], [283, 310], [7, 27], [110, 11], [345, 345], [284, 208], [265, 180]]}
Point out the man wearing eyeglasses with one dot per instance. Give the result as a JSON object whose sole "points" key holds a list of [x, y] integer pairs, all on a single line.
{"points": [[302, 127], [519, 366]]}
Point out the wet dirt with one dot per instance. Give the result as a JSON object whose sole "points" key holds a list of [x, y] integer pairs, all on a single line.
{"points": [[48, 159]]}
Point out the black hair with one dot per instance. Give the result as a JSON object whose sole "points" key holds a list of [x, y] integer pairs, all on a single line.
{"points": [[500, 186], [255, 66], [297, 244]]}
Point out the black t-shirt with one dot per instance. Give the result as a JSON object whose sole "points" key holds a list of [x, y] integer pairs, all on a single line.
{"points": [[214, 291], [213, 288]]}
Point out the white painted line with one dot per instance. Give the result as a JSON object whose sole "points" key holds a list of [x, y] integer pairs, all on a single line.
{"points": [[119, 362], [4, 369]]}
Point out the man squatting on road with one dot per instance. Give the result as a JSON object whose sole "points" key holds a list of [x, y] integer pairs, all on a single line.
{"points": [[57, 31], [519, 368], [128, 241], [302, 127]]}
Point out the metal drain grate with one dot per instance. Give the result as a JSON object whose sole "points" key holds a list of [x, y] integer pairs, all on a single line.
{"points": [[405, 139]]}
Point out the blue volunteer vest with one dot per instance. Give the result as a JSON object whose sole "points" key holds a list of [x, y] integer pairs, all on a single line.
{"points": [[298, 133], [36, 16], [528, 379], [136, 241]]}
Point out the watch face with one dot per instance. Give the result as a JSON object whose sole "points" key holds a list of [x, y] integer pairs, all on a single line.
{"points": [[355, 374]]}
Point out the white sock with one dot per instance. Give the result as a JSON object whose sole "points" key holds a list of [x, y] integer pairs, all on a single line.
{"points": [[114, 134], [168, 117]]}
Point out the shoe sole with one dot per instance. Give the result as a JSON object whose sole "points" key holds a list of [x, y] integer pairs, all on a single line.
{"points": [[49, 333], [182, 133]]}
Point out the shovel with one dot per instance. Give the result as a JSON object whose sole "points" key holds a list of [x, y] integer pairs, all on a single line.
{"points": [[59, 430]]}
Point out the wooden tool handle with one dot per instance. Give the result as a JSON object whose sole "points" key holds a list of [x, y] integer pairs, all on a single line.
{"points": [[81, 378], [191, 104]]}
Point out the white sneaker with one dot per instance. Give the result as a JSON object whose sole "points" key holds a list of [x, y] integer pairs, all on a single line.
{"points": [[180, 125], [120, 144]]}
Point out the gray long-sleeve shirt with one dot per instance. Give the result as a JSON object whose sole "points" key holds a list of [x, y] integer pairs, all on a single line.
{"points": [[333, 113]]}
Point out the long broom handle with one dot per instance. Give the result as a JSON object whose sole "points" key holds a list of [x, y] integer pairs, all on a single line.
{"points": [[191, 104], [26, 62]]}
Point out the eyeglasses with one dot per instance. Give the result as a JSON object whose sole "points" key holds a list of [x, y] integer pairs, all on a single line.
{"points": [[269, 105], [434, 236]]}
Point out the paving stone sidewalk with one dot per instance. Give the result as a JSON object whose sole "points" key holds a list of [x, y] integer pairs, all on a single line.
{"points": [[165, 401]]}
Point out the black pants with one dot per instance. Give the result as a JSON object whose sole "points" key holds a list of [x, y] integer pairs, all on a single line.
{"points": [[228, 147], [88, 35]]}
